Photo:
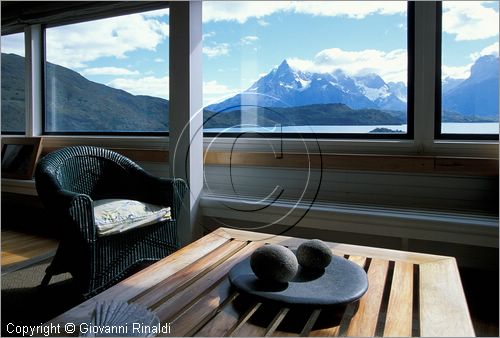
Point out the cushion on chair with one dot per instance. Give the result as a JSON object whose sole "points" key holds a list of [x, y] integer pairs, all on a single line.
{"points": [[118, 215]]}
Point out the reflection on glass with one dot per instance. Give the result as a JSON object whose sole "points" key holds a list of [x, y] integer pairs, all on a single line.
{"points": [[13, 84], [108, 75], [469, 67], [321, 67]]}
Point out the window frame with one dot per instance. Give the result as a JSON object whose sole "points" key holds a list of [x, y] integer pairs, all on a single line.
{"points": [[438, 110], [423, 142], [410, 129], [44, 78]]}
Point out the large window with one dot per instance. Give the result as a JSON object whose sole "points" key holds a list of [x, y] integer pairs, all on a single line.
{"points": [[326, 67], [315, 68], [469, 71], [13, 84], [108, 76]]}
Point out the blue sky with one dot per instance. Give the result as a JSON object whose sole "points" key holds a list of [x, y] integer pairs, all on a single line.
{"points": [[243, 40]]}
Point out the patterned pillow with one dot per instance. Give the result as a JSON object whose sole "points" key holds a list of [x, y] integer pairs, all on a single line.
{"points": [[113, 216]]}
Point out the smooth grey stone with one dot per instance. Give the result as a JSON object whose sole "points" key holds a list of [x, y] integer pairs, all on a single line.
{"points": [[274, 263], [339, 284], [314, 254]]}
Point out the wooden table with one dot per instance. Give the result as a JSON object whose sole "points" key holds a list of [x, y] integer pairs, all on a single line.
{"points": [[409, 294]]}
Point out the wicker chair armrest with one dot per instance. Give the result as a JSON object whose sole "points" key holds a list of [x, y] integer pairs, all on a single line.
{"points": [[78, 210], [82, 214]]}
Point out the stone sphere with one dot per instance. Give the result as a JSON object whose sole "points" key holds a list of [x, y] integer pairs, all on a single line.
{"points": [[274, 263], [314, 254]]}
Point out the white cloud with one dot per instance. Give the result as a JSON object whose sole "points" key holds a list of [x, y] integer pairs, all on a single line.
{"points": [[391, 66], [109, 71], [216, 50], [213, 92], [157, 13], [159, 60], [263, 23], [13, 43], [248, 40], [208, 35], [74, 45], [241, 11], [463, 72], [489, 50], [351, 9], [469, 20], [149, 85], [460, 72]]}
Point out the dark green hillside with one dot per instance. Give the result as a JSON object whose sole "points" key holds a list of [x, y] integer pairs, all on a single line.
{"points": [[316, 114], [13, 118], [450, 116], [83, 105], [75, 104]]}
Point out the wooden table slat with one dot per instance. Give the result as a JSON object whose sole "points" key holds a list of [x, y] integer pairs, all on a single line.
{"points": [[189, 322], [185, 277], [170, 307], [222, 323], [310, 323], [146, 278], [338, 248], [398, 321], [359, 260], [364, 322], [348, 313], [244, 319], [246, 328], [276, 321], [443, 308]]}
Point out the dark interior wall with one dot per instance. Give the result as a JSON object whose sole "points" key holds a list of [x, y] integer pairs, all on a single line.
{"points": [[25, 213]]}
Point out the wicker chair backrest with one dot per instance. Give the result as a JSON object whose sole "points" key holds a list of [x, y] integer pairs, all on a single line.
{"points": [[97, 172]]}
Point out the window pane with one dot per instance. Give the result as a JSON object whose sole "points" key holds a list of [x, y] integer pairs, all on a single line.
{"points": [[323, 67], [13, 84], [469, 67], [108, 75]]}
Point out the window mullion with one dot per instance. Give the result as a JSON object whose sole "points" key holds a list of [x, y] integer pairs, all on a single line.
{"points": [[34, 79], [425, 66]]}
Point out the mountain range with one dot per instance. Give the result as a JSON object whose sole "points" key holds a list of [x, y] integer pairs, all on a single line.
{"points": [[476, 96], [467, 100], [285, 86], [79, 105], [285, 95]]}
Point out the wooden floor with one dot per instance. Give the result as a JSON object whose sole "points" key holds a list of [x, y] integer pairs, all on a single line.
{"points": [[21, 249]]}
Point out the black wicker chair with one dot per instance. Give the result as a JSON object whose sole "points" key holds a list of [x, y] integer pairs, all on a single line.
{"points": [[69, 180]]}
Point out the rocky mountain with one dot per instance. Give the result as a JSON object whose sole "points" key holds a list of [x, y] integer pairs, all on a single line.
{"points": [[476, 96], [79, 105], [449, 83], [469, 100], [285, 86]]}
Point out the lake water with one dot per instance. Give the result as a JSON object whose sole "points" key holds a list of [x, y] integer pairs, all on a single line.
{"points": [[448, 128]]}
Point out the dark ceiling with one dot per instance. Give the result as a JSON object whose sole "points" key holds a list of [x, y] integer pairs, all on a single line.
{"points": [[16, 14]]}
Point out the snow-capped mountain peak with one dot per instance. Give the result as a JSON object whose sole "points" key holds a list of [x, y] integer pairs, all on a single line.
{"points": [[294, 87]]}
